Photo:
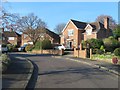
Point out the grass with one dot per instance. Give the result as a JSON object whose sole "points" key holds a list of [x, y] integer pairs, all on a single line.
{"points": [[107, 56]]}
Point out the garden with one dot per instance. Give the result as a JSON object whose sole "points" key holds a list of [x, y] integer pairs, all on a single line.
{"points": [[106, 49]]}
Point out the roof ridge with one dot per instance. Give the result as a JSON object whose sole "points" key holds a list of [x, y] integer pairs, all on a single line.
{"points": [[51, 31], [78, 21]]}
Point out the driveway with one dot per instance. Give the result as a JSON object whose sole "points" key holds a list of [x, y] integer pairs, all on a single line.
{"points": [[53, 72]]}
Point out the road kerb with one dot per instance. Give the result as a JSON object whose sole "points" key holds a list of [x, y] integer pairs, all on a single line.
{"points": [[31, 71], [98, 66]]}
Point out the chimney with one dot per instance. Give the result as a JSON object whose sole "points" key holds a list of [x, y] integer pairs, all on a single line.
{"points": [[11, 30], [106, 22]]}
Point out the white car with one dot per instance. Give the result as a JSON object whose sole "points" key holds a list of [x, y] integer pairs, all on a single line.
{"points": [[22, 48], [60, 47], [4, 48]]}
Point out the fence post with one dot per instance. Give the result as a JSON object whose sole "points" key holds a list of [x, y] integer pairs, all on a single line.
{"points": [[90, 53]]}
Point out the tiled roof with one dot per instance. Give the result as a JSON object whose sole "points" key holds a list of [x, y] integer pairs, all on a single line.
{"points": [[82, 25], [78, 24], [10, 34], [52, 34]]}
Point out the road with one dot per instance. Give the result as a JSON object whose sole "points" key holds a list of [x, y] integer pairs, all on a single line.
{"points": [[53, 72]]}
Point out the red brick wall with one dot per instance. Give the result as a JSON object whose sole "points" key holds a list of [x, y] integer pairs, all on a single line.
{"points": [[93, 35]]}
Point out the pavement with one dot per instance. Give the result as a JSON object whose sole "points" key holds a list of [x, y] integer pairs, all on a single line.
{"points": [[18, 73], [96, 63]]}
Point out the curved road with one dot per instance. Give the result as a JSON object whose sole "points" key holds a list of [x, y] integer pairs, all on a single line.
{"points": [[53, 72]]}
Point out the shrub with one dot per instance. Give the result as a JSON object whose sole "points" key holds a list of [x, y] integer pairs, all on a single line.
{"points": [[38, 45], [110, 44], [11, 47], [117, 51], [5, 62], [98, 51], [5, 59], [46, 44], [29, 47], [102, 49], [94, 43], [84, 44]]}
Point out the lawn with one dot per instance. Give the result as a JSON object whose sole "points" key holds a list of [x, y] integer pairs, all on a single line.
{"points": [[105, 57]]}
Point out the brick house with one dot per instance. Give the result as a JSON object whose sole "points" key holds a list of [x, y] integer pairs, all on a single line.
{"points": [[76, 31], [53, 37], [11, 37]]}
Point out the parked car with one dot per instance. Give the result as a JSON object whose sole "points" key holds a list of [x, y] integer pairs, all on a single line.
{"points": [[60, 47], [22, 48], [4, 48]]}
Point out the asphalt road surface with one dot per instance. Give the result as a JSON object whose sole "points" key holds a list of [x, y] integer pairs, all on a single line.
{"points": [[53, 72]]}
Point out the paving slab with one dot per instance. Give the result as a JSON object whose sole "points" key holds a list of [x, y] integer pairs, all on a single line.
{"points": [[17, 74]]}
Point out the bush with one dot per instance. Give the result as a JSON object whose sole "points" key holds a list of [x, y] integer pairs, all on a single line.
{"points": [[38, 45], [93, 43], [98, 51], [5, 62], [29, 47], [84, 44], [117, 51], [111, 43], [46, 44], [5, 59], [11, 47]]}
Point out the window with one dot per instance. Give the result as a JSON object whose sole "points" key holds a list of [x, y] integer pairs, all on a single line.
{"points": [[25, 35], [89, 31], [11, 38], [70, 32]]}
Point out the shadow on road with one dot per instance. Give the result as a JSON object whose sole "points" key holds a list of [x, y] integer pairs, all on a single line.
{"points": [[33, 80]]}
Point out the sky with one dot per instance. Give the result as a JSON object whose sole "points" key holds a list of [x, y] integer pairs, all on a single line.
{"points": [[54, 13]]}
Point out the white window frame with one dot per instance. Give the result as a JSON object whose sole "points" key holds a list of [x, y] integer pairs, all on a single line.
{"points": [[11, 38], [89, 31], [70, 32]]}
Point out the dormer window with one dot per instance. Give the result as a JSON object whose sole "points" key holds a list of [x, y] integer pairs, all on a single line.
{"points": [[88, 29]]}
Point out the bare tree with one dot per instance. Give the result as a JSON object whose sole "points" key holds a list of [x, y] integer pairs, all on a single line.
{"points": [[58, 29], [8, 20], [32, 26], [112, 22]]}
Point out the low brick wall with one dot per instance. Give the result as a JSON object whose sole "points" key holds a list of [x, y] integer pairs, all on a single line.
{"points": [[51, 51], [80, 53]]}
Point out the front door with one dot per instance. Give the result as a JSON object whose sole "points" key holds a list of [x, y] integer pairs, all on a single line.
{"points": [[70, 44]]}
